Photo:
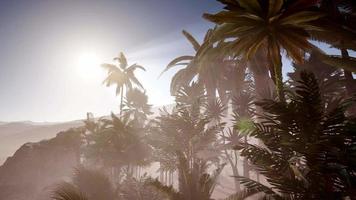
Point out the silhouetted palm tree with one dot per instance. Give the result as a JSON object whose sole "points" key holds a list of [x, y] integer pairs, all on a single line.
{"points": [[330, 78], [67, 191], [86, 184], [209, 66], [136, 105], [122, 75], [266, 27], [308, 149], [138, 189], [185, 134], [117, 143], [339, 30]]}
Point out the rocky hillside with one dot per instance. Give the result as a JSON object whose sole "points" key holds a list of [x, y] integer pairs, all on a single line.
{"points": [[35, 167], [15, 134]]}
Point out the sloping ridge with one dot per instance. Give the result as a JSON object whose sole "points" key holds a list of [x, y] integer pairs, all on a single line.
{"points": [[15, 134], [35, 167]]}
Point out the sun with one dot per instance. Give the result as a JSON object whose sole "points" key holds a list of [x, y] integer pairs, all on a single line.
{"points": [[88, 65]]}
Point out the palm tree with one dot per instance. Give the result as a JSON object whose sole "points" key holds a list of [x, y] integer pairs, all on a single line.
{"points": [[339, 30], [122, 76], [211, 68], [86, 184], [330, 78], [138, 189], [186, 135], [115, 144], [264, 28], [308, 146], [201, 189], [67, 191], [136, 105]]}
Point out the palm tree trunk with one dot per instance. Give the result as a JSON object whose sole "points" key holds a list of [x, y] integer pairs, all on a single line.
{"points": [[235, 171], [233, 165], [261, 77], [277, 75], [121, 101], [211, 95], [245, 163]]}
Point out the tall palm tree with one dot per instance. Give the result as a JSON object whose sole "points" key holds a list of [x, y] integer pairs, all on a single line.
{"points": [[122, 75], [267, 28], [209, 66]]}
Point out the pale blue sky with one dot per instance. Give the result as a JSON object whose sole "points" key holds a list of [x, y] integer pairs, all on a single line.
{"points": [[44, 42]]}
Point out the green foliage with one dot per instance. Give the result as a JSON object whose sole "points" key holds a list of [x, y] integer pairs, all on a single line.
{"points": [[308, 145]]}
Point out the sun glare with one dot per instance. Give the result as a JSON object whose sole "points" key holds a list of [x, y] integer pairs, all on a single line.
{"points": [[88, 65]]}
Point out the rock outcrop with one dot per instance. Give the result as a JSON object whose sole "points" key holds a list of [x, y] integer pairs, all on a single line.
{"points": [[35, 168]]}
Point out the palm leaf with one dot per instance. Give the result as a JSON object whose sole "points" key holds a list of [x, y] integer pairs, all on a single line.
{"points": [[255, 186], [110, 67], [192, 40], [259, 39], [122, 60], [67, 191], [301, 17], [222, 17], [169, 190], [338, 61], [274, 7], [250, 5], [175, 62], [134, 67], [241, 195]]}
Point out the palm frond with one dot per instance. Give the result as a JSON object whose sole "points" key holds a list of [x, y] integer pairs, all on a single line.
{"points": [[256, 186], [169, 190], [192, 40], [342, 62], [242, 195], [175, 62], [67, 191], [134, 67]]}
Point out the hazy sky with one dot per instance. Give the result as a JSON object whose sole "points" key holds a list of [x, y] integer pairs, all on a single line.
{"points": [[50, 51]]}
